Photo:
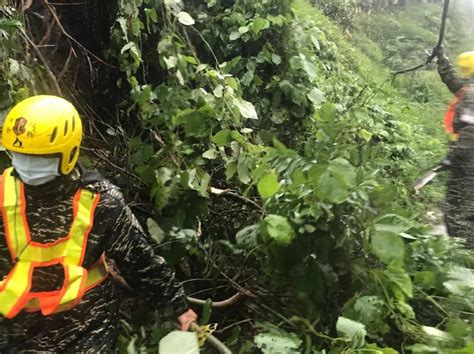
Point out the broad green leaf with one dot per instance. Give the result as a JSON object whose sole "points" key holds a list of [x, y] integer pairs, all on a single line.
{"points": [[276, 59], [461, 280], [278, 229], [185, 18], [316, 96], [179, 341], [400, 279], [352, 331], [235, 35], [388, 247], [132, 48], [436, 334], [366, 135], [210, 154], [9, 24], [243, 29], [335, 182], [370, 309], [375, 349], [155, 230], [268, 186], [273, 343], [393, 223], [218, 91], [328, 112], [248, 236], [170, 61], [221, 138], [247, 110], [259, 24]]}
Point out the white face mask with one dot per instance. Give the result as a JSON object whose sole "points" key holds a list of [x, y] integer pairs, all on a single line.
{"points": [[35, 170]]}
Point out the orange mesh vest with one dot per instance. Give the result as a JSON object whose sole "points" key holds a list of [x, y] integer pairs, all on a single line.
{"points": [[69, 251], [451, 113]]}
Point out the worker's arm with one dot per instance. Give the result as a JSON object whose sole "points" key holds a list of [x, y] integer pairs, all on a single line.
{"points": [[140, 267], [448, 73]]}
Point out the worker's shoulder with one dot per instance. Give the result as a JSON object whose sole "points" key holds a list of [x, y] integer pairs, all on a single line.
{"points": [[93, 180]]}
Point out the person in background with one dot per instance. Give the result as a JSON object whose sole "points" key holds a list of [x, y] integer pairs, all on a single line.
{"points": [[59, 224], [459, 123]]}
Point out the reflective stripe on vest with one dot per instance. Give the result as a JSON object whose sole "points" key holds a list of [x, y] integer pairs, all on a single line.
{"points": [[15, 290], [451, 113]]}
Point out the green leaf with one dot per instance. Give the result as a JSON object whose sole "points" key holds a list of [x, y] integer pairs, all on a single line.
{"points": [[234, 35], [276, 59], [461, 280], [155, 230], [268, 186], [179, 341], [9, 24], [335, 182], [259, 24], [316, 96], [328, 112], [398, 277], [248, 236], [366, 135], [210, 154], [388, 247], [218, 91], [243, 29], [221, 138], [274, 342], [375, 349], [436, 334], [352, 331], [170, 61], [185, 18], [132, 48], [206, 312], [393, 223], [278, 229], [247, 110]]}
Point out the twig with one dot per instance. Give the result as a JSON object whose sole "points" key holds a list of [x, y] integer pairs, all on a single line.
{"points": [[234, 324], [105, 159], [58, 21], [217, 191], [218, 304], [440, 42], [44, 61], [66, 64]]}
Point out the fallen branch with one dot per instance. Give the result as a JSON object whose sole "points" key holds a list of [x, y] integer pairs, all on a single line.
{"points": [[433, 54], [218, 304]]}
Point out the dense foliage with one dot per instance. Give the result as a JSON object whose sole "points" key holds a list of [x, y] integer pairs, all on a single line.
{"points": [[278, 159]]}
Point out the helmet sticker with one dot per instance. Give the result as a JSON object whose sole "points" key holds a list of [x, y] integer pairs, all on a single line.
{"points": [[19, 127]]}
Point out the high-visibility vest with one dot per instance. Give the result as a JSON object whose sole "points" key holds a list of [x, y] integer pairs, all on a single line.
{"points": [[27, 255], [451, 113]]}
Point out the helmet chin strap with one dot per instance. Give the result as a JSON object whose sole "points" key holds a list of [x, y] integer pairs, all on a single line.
{"points": [[35, 170]]}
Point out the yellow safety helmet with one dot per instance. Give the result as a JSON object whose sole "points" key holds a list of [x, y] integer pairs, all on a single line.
{"points": [[465, 63], [44, 125]]}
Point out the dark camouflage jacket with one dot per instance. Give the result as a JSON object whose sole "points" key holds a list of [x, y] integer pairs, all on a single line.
{"points": [[455, 83], [92, 326]]}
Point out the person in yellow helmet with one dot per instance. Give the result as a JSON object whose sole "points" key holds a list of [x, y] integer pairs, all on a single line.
{"points": [[459, 120], [59, 224]]}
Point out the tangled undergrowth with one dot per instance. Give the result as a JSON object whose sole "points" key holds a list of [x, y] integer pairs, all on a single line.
{"points": [[268, 157]]}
